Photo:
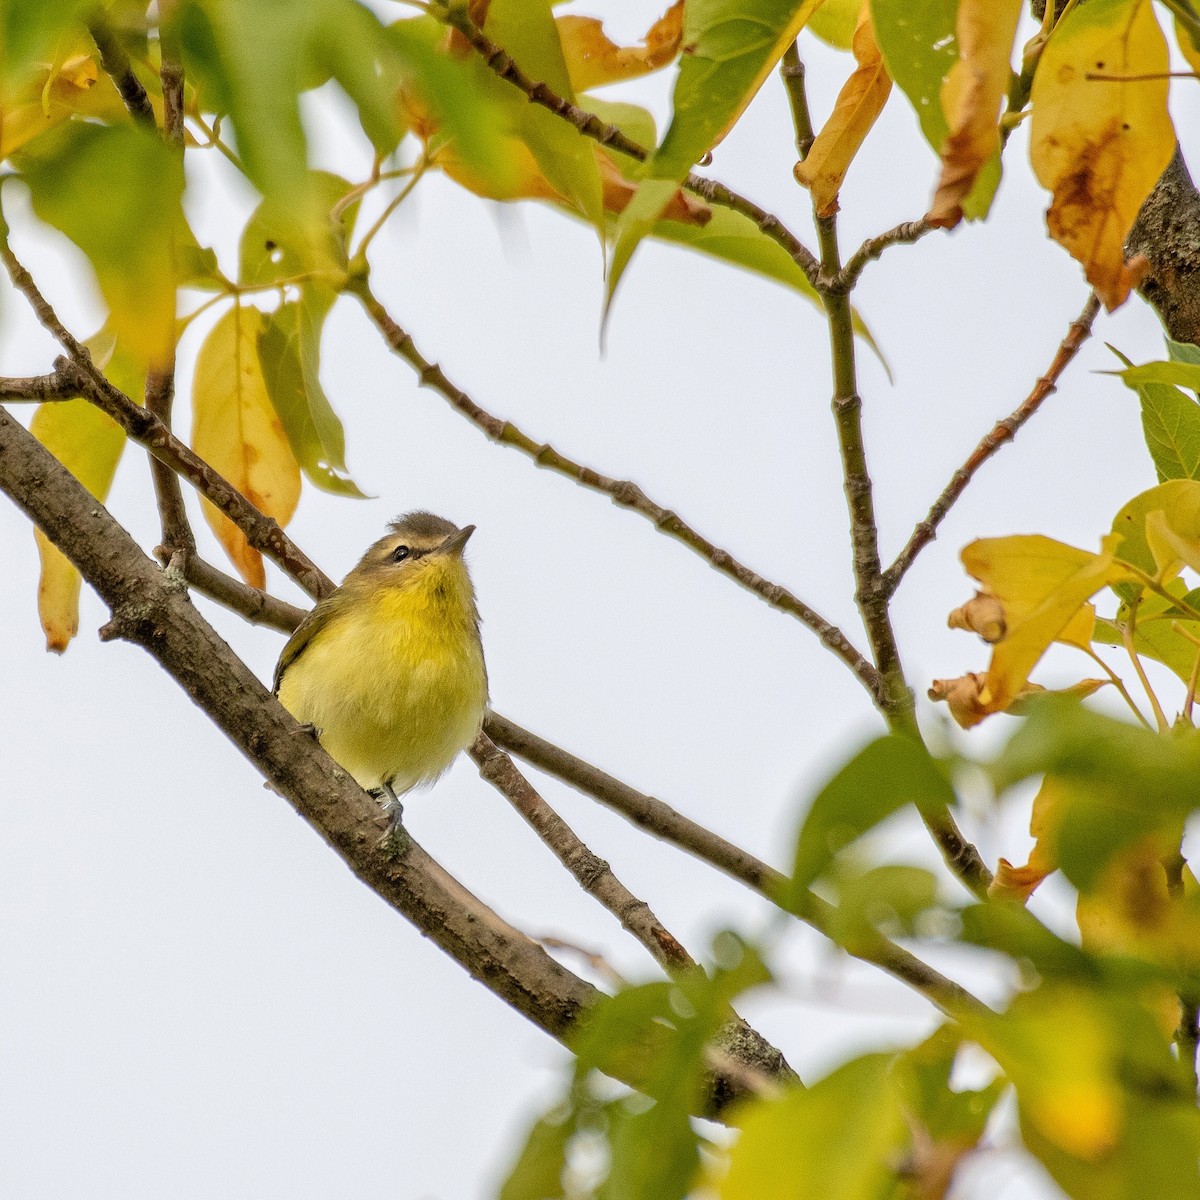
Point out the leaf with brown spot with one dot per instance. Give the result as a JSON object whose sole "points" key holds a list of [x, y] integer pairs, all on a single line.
{"points": [[236, 430], [1100, 145], [593, 59], [971, 99], [859, 103]]}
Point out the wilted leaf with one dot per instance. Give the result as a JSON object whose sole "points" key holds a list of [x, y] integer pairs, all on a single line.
{"points": [[1043, 587], [1019, 883], [885, 776], [971, 99], [237, 431], [289, 350], [1101, 145], [593, 59], [840, 1139], [859, 103], [116, 191]]}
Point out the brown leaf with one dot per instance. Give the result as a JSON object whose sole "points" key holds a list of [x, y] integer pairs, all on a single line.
{"points": [[859, 103], [983, 614], [964, 696], [971, 99]]}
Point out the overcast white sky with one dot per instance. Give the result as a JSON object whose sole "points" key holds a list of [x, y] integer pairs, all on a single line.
{"points": [[197, 999]]}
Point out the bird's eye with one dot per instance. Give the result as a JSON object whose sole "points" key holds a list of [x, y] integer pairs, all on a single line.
{"points": [[400, 553]]}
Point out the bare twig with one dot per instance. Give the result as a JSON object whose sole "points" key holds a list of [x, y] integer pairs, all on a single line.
{"points": [[119, 69], [258, 607], [149, 612], [143, 427], [591, 872], [791, 70], [610, 136], [903, 234], [623, 492], [177, 533], [37, 388], [1003, 431], [664, 822]]}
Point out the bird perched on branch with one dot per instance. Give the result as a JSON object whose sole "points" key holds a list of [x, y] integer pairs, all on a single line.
{"points": [[388, 670]]}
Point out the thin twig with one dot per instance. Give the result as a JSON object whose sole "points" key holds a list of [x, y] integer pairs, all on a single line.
{"points": [[37, 388], [1003, 431], [177, 535], [119, 69], [791, 70], [591, 872], [143, 427], [661, 820], [896, 703], [257, 606], [623, 492], [610, 136], [903, 234], [1128, 632]]}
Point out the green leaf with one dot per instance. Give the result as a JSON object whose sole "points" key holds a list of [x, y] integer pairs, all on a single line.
{"points": [[1171, 425], [270, 252], [949, 1116], [919, 43], [1182, 351], [1178, 499], [730, 47], [841, 1139], [1154, 635], [527, 31], [885, 776], [537, 1173], [116, 191], [889, 898], [289, 349], [834, 22], [29, 31]]}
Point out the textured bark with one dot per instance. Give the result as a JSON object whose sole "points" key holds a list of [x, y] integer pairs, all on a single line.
{"points": [[151, 608], [1167, 232]]}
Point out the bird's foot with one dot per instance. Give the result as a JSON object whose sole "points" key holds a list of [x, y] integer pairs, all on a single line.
{"points": [[394, 810], [307, 730]]}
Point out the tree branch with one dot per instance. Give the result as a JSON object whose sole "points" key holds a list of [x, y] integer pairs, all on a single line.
{"points": [[664, 822], [791, 71], [591, 126], [622, 492], [37, 388], [149, 611], [177, 535], [903, 234], [591, 872], [1002, 432], [119, 69]]}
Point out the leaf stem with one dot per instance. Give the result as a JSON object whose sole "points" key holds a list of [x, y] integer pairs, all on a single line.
{"points": [[1128, 629]]}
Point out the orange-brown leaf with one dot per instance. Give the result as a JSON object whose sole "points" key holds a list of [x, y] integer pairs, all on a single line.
{"points": [[1100, 144], [236, 430], [859, 103], [971, 98], [593, 59]]}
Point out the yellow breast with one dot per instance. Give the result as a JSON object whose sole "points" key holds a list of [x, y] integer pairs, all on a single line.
{"points": [[395, 682]]}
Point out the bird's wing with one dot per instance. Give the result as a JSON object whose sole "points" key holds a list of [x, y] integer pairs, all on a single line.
{"points": [[316, 620]]}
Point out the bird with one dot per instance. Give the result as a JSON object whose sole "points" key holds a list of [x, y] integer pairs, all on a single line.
{"points": [[388, 670]]}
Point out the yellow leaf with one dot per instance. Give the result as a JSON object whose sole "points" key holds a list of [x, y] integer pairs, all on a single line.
{"points": [[89, 444], [235, 430], [1100, 145], [1186, 47], [593, 59], [971, 99], [1159, 529], [859, 103], [1018, 883], [1043, 587]]}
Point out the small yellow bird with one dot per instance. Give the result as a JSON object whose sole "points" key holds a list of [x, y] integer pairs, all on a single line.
{"points": [[388, 670]]}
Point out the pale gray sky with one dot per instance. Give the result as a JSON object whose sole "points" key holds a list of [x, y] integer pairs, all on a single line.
{"points": [[197, 999]]}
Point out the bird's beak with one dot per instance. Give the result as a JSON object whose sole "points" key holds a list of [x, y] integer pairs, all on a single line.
{"points": [[456, 541]]}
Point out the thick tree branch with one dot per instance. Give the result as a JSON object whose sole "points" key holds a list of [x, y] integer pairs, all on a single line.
{"points": [[664, 822], [622, 492], [1002, 432], [591, 126], [150, 611]]}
